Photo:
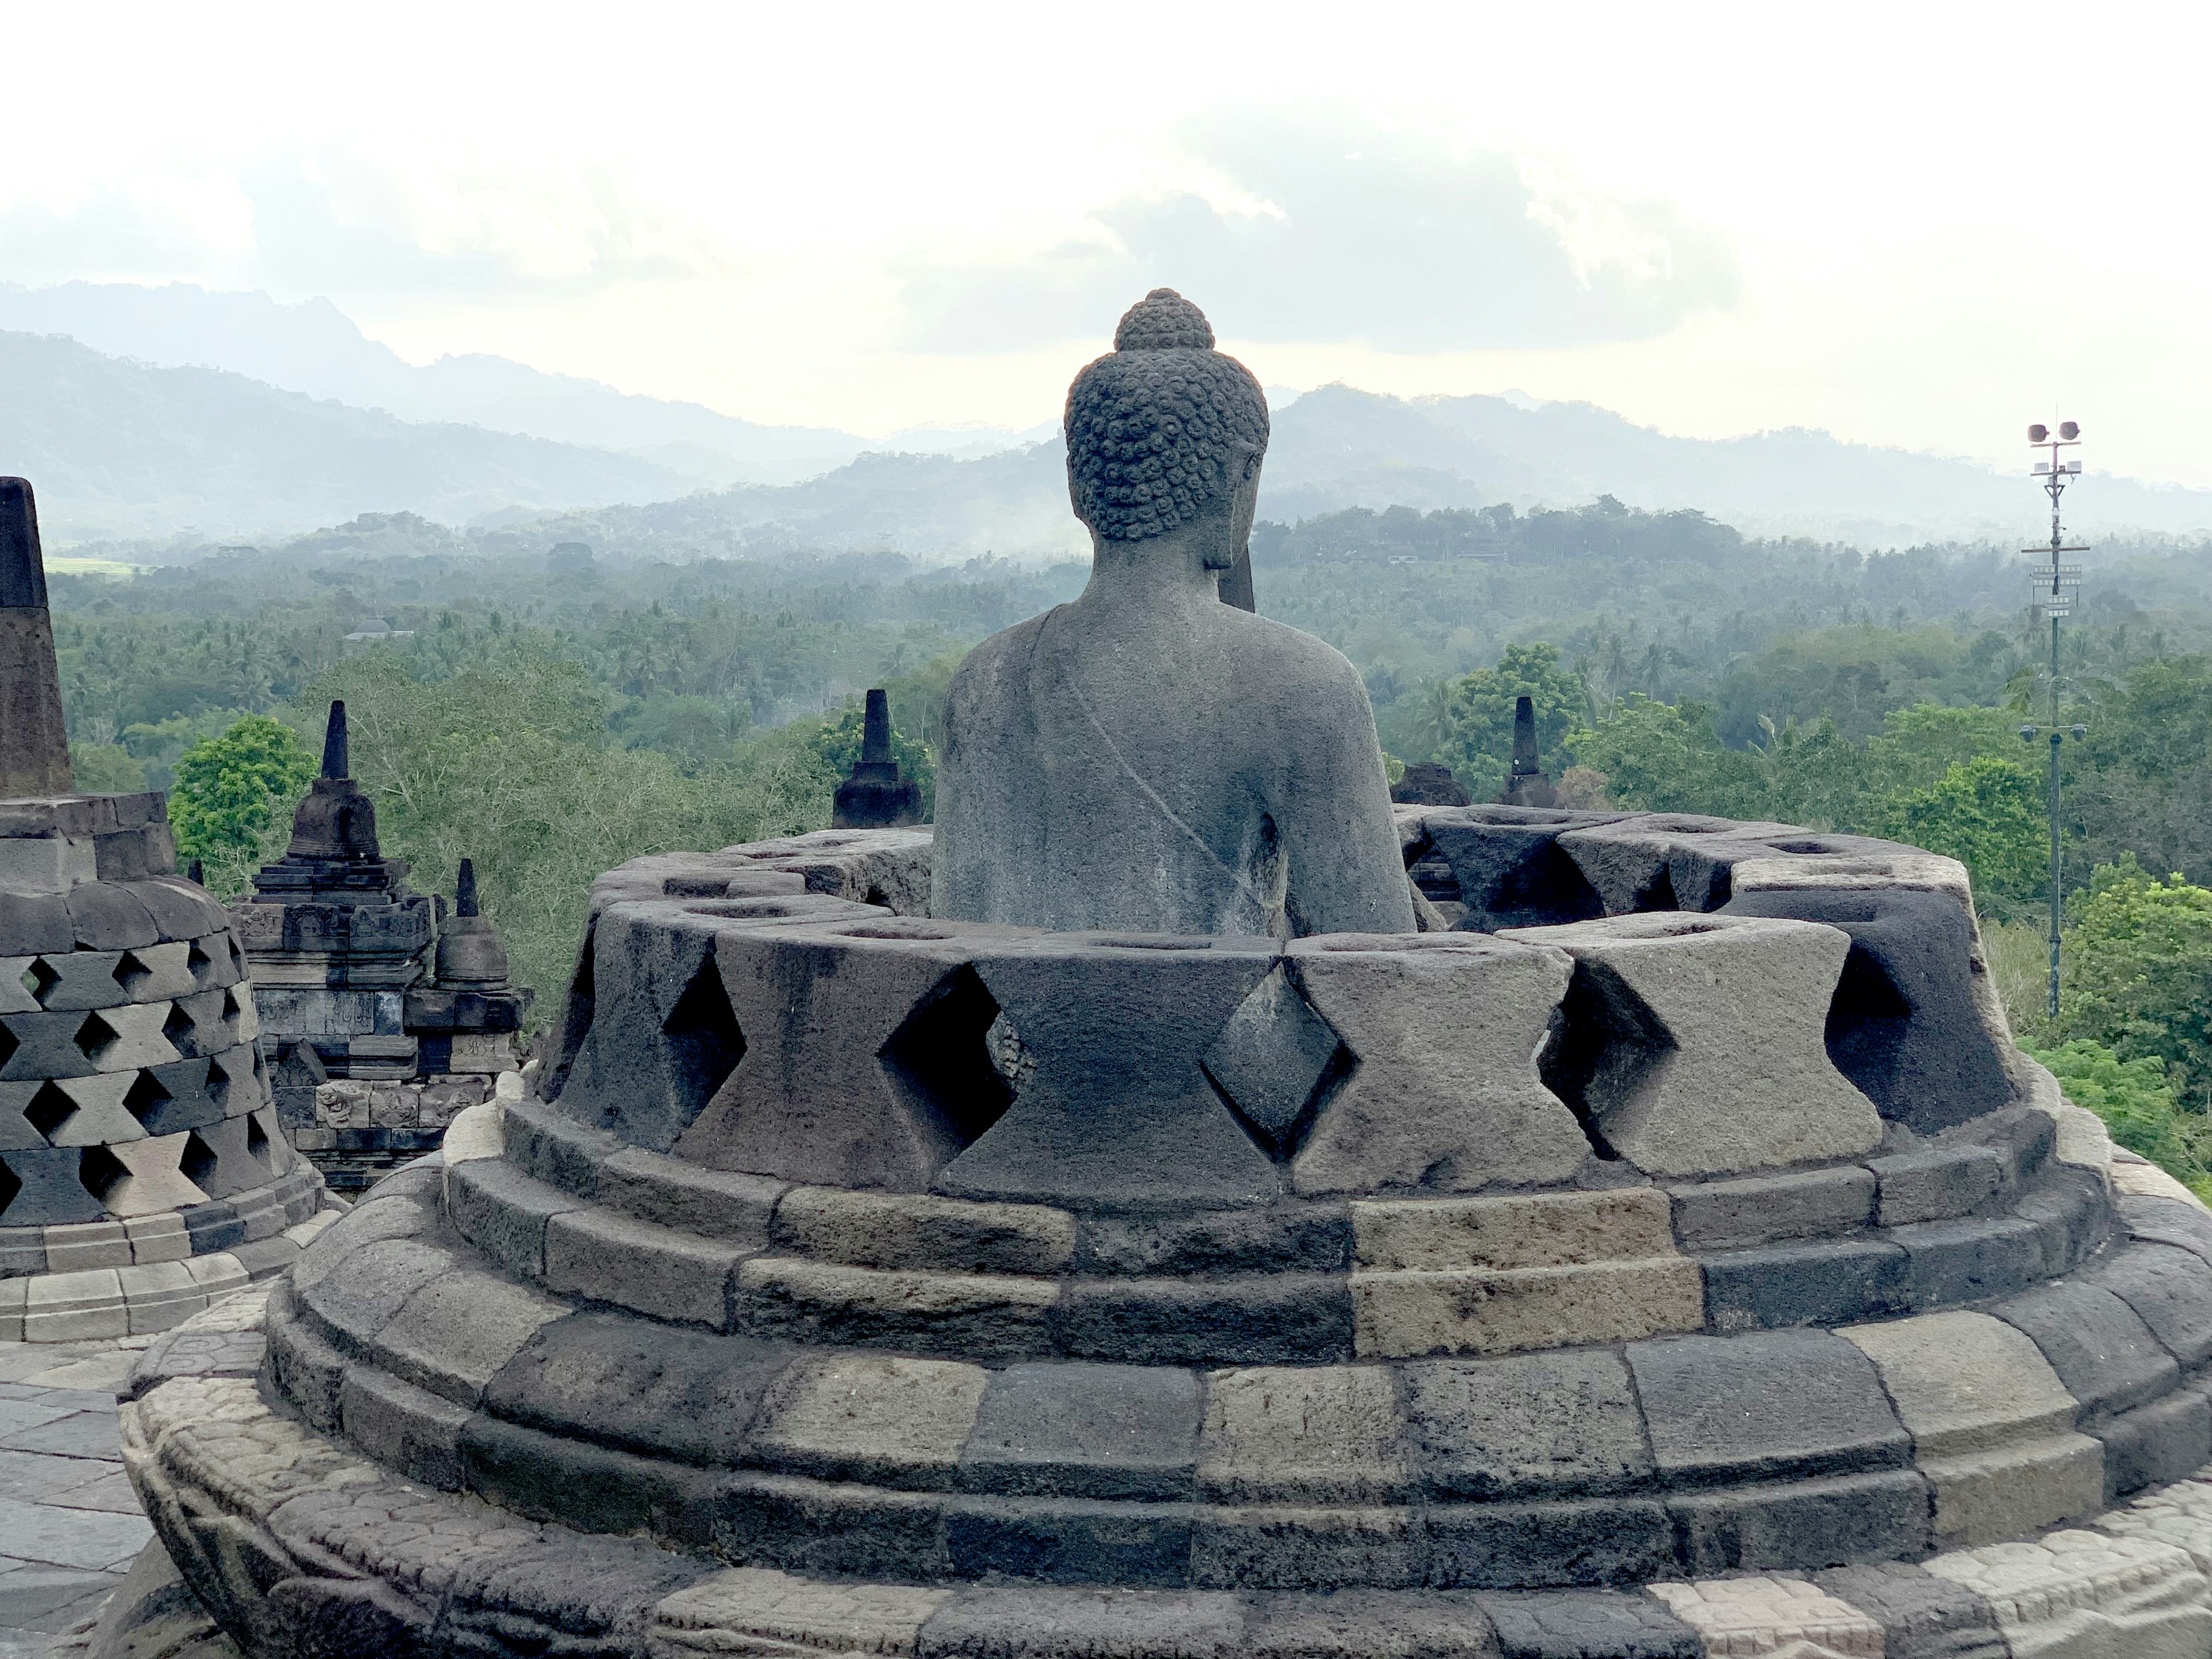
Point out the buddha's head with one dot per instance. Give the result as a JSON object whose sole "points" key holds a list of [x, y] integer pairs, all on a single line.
{"points": [[1165, 434]]}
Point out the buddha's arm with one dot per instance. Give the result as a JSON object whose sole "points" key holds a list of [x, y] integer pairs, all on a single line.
{"points": [[1334, 825]]}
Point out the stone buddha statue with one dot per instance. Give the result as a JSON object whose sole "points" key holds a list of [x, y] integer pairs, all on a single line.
{"points": [[1148, 758]]}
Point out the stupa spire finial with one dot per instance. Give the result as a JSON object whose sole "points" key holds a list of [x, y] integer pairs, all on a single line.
{"points": [[33, 740], [335, 763]]}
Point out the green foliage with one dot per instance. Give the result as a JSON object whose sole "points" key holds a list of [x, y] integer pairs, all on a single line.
{"points": [[2138, 972], [106, 768], [1480, 744], [511, 766], [1664, 757], [234, 797], [2137, 1106], [1988, 814]]}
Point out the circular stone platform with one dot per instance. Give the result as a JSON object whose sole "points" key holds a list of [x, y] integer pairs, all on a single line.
{"points": [[142, 1172], [1677, 1259]]}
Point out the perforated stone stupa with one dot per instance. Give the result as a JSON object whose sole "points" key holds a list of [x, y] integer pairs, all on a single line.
{"points": [[142, 1174], [1667, 1253]]}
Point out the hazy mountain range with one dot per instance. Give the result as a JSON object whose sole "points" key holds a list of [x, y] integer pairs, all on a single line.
{"points": [[148, 413]]}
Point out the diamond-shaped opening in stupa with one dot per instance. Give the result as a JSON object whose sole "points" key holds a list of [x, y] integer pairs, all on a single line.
{"points": [[941, 1059], [702, 1038], [1276, 1062], [1603, 1050], [48, 1108]]}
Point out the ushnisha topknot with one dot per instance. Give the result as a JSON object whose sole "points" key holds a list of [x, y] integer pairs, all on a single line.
{"points": [[1157, 430], [1162, 321]]}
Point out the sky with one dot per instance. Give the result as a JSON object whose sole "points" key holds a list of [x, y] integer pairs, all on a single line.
{"points": [[1922, 225]]}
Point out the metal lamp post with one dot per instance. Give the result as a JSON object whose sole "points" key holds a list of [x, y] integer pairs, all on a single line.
{"points": [[2055, 588]]}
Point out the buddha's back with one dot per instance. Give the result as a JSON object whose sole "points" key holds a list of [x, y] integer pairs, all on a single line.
{"points": [[1147, 758]]}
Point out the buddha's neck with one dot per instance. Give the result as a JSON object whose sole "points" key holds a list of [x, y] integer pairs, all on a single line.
{"points": [[1162, 573]]}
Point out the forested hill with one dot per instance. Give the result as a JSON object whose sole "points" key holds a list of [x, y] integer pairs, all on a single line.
{"points": [[121, 450]]}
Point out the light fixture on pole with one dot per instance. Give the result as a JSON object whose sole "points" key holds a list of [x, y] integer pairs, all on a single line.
{"points": [[2055, 587]]}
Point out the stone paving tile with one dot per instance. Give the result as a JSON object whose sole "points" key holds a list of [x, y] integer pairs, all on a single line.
{"points": [[111, 1493], [28, 1474], [80, 1434], [105, 1372], [89, 1539], [19, 1416]]}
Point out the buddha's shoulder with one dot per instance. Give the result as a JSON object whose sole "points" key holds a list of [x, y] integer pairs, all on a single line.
{"points": [[1280, 653], [1004, 652]]}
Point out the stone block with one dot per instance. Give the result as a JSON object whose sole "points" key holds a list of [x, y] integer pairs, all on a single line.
{"points": [[1399, 1624], [1332, 1435], [1662, 860], [1584, 1623], [864, 1063], [1527, 1426], [1769, 1209], [1773, 1615], [2167, 1221], [1444, 1093], [359, 1295], [1921, 1616], [1813, 1283], [106, 917], [2080, 1595], [1583, 1540], [727, 1205], [727, 1611], [48, 1189], [1068, 1540], [33, 923], [159, 1296], [503, 1212], [1546, 1230], [458, 1332], [1951, 1262], [1276, 1317], [46, 1046], [1298, 1238], [2170, 1291], [2105, 1355], [310, 1371], [1119, 1110], [1992, 1425], [1305, 1548], [589, 1487], [549, 1146], [79, 981], [157, 1238], [1694, 1045], [914, 1231], [1766, 1405], [74, 1247], [1841, 1521], [75, 1306], [975, 1315], [2168, 1440], [1938, 1183], [1904, 1027], [819, 1528], [606, 1257], [663, 1390], [867, 1417], [1085, 1430], [403, 1427], [1021, 1623]]}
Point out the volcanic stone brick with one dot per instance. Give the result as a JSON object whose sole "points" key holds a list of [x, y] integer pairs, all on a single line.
{"points": [[183, 911], [1035, 1624], [2103, 1352], [2171, 1291], [1281, 1238], [1992, 1427], [457, 1332], [109, 918], [549, 1146], [2168, 1440], [722, 1204], [757, 1602], [47, 1188], [403, 1427], [659, 1390], [1509, 868], [867, 1417], [1291, 1548], [81, 980], [1661, 861], [1769, 1615], [1404, 1624], [1813, 1283], [868, 1230], [1299, 1435], [1254, 1320], [1119, 1110], [607, 1257], [1445, 1094], [827, 1527], [1527, 1425], [32, 924], [503, 1212], [971, 1315], [2070, 1208], [1768, 1405], [1580, 1624], [1922, 1616], [1494, 1274], [46, 1046], [1937, 1184], [662, 1038], [1904, 1027], [591, 1487], [358, 1296], [1085, 1430], [1765, 1209], [864, 1062], [1692, 1045], [1069, 1540], [2169, 1221], [1585, 1541], [1841, 1521], [1955, 1262]]}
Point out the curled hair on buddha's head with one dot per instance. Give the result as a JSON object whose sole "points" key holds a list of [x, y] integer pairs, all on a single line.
{"points": [[1159, 428]]}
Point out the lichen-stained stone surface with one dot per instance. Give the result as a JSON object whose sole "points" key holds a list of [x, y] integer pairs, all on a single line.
{"points": [[1107, 1377], [1696, 1046], [1443, 1091]]}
